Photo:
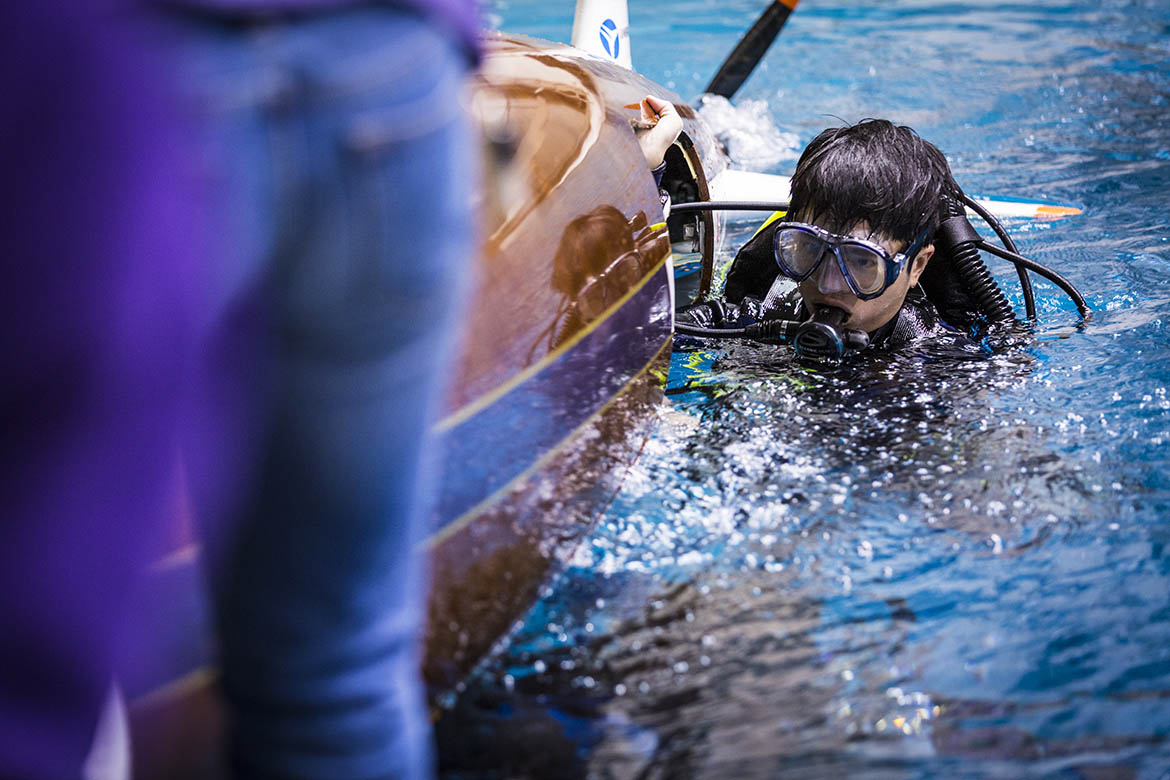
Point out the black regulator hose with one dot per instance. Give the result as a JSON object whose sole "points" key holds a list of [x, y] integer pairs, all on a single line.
{"points": [[1010, 245], [779, 330], [1064, 284], [729, 205], [821, 337], [961, 242]]}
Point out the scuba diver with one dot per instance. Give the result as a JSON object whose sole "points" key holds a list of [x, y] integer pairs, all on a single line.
{"points": [[874, 251]]}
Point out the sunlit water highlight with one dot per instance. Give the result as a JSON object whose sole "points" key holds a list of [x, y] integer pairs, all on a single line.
{"points": [[929, 564]]}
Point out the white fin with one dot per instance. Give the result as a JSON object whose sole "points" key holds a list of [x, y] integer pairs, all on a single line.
{"points": [[602, 28]]}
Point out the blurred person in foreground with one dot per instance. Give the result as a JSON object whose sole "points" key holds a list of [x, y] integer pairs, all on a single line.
{"points": [[310, 268], [339, 172]]}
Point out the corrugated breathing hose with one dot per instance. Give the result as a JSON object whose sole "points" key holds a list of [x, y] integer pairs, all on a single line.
{"points": [[960, 240]]}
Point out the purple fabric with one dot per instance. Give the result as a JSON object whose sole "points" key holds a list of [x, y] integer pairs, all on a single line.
{"points": [[96, 241], [461, 16]]}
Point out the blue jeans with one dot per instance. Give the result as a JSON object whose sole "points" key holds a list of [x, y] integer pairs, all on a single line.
{"points": [[338, 167]]}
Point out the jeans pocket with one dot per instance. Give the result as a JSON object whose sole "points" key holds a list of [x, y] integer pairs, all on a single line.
{"points": [[400, 203], [408, 177]]}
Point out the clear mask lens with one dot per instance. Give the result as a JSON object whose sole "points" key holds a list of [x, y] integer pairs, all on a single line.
{"points": [[799, 251], [867, 268]]}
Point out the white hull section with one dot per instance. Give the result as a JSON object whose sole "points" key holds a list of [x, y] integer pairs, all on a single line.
{"points": [[731, 185]]}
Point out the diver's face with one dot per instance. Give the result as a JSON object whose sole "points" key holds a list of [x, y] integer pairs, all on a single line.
{"points": [[827, 287]]}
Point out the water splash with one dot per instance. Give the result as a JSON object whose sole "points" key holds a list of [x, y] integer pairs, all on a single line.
{"points": [[748, 132]]}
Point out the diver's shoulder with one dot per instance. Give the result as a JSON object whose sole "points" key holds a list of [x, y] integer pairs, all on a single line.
{"points": [[919, 320]]}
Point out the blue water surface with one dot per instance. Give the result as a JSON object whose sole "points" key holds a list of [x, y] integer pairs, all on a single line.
{"points": [[918, 565]]}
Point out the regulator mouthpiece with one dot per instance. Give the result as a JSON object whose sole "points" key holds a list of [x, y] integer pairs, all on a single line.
{"points": [[823, 336]]}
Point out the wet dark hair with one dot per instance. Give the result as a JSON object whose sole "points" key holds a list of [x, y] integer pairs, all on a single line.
{"points": [[875, 172]]}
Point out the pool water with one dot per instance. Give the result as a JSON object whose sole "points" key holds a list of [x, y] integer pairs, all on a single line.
{"points": [[922, 565]]}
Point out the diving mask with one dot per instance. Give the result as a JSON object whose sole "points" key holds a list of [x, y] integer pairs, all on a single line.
{"points": [[867, 267]]}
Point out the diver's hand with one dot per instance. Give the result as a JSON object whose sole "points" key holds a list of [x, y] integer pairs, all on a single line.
{"points": [[667, 125], [718, 313], [706, 314]]}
